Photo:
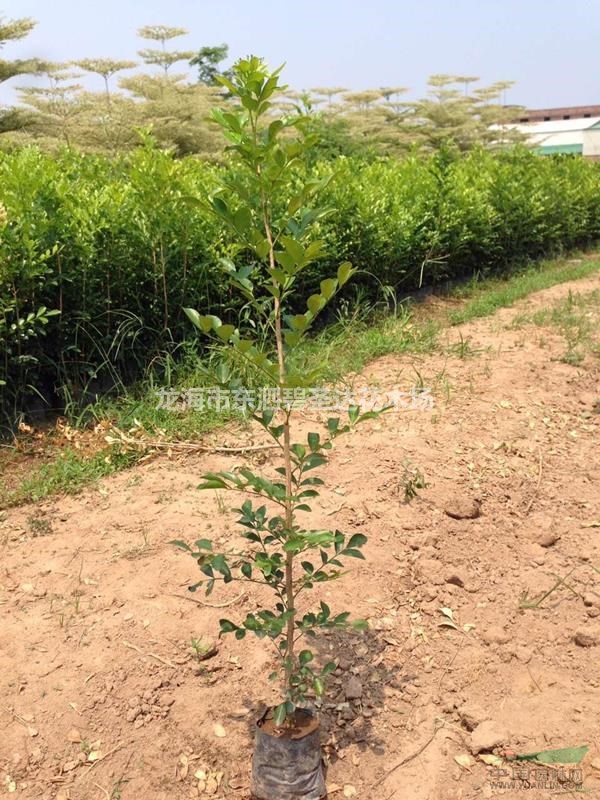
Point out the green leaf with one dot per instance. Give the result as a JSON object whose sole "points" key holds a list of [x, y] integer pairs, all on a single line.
{"points": [[341, 619], [279, 714], [328, 287], [203, 544], [305, 656], [333, 425], [227, 626], [228, 266], [212, 483], [221, 207], [215, 322], [249, 102], [262, 248], [314, 249], [292, 338], [290, 707], [566, 755], [224, 332], [299, 322], [314, 481], [227, 84], [243, 345], [298, 450], [279, 276], [294, 248], [220, 564], [181, 545], [313, 460], [352, 553], [267, 417], [295, 204], [353, 412], [315, 303], [357, 540], [223, 373], [360, 624], [314, 441], [344, 272], [201, 322], [277, 431], [242, 219], [368, 415], [319, 687]]}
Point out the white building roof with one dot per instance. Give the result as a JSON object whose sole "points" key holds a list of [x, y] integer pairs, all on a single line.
{"points": [[557, 125], [556, 138], [577, 135]]}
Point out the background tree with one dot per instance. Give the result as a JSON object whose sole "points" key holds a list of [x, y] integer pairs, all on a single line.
{"points": [[447, 115], [55, 106], [373, 120], [176, 112], [329, 92], [106, 68], [444, 115], [391, 95], [107, 122], [367, 123], [163, 58], [207, 59], [10, 31], [466, 80]]}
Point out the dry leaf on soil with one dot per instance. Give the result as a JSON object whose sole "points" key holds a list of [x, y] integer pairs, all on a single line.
{"points": [[490, 759], [464, 760]]}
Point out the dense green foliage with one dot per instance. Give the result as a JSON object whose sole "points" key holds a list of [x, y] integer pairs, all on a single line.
{"points": [[119, 246]]}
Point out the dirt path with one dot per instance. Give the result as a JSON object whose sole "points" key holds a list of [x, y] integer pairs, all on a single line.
{"points": [[96, 623]]}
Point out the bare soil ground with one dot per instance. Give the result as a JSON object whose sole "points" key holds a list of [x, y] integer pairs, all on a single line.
{"points": [[102, 697]]}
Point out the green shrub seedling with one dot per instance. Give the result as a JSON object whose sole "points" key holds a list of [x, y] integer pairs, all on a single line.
{"points": [[269, 201]]}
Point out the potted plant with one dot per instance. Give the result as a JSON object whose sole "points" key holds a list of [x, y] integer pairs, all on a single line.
{"points": [[268, 200]]}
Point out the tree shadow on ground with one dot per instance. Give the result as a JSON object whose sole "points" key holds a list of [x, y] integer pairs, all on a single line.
{"points": [[348, 719]]}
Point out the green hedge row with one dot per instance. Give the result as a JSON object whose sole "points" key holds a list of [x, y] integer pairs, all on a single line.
{"points": [[118, 247]]}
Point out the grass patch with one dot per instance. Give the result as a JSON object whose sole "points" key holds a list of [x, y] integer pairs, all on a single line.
{"points": [[577, 319], [142, 410], [349, 345], [484, 297], [344, 347], [68, 473]]}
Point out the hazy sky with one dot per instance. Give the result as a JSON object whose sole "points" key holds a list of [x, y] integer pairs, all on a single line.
{"points": [[549, 47]]}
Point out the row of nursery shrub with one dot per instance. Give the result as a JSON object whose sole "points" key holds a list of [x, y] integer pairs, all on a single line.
{"points": [[98, 256]]}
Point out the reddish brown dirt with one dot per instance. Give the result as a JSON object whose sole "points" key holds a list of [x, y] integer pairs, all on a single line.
{"points": [[96, 622]]}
